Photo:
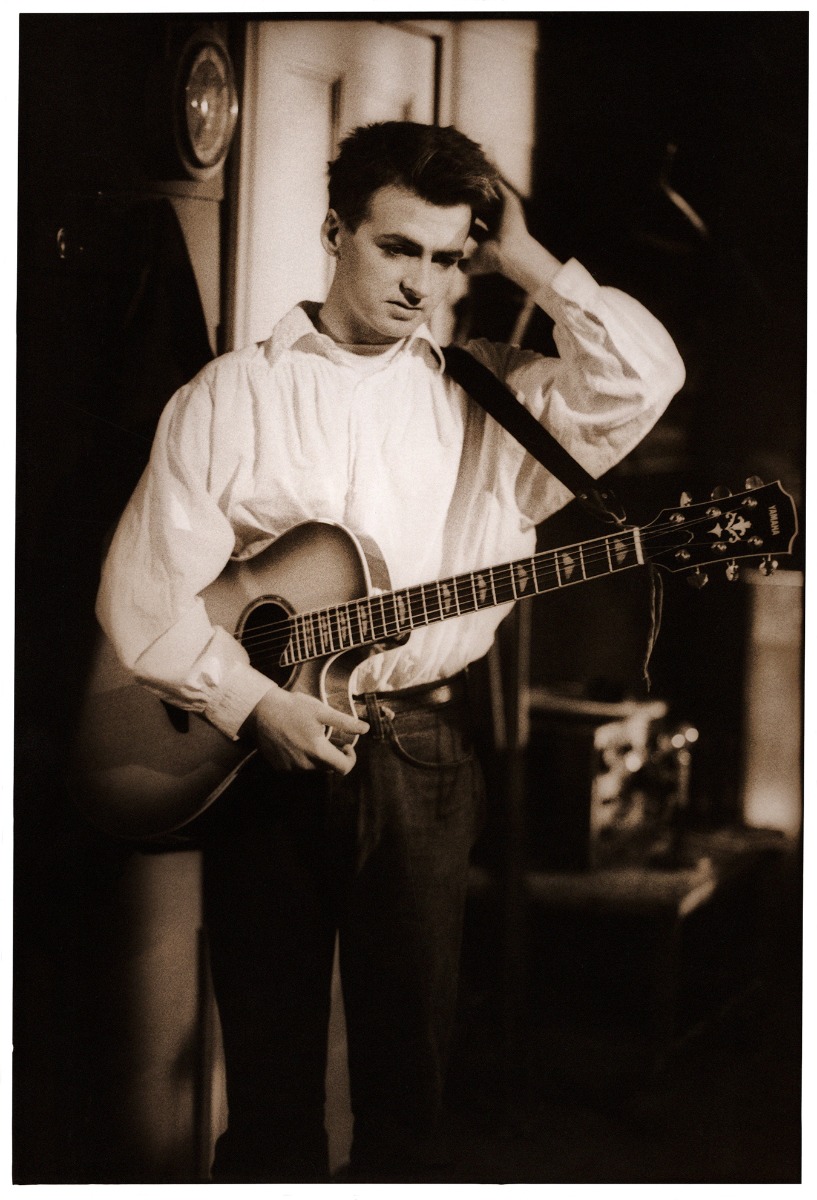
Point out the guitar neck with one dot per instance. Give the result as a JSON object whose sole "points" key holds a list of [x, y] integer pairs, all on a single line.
{"points": [[390, 616]]}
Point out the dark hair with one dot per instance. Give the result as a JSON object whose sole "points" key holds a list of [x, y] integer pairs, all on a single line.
{"points": [[439, 163]]}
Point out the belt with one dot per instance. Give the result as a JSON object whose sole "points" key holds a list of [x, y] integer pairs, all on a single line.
{"points": [[422, 695]]}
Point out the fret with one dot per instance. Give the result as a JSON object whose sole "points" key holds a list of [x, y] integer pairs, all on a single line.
{"points": [[395, 624], [444, 593], [385, 632], [425, 610], [504, 585], [436, 614], [384, 598], [354, 628], [299, 654], [623, 550], [493, 586], [464, 594], [416, 606], [566, 562], [292, 644], [344, 633], [482, 596], [594, 560], [309, 636], [581, 560], [545, 571], [639, 549], [401, 611], [474, 591], [523, 578], [371, 621], [334, 625], [556, 568], [607, 548], [362, 620]]}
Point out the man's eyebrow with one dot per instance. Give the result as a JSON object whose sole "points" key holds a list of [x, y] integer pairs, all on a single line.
{"points": [[399, 239]]}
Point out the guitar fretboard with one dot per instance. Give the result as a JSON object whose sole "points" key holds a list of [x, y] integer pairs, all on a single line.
{"points": [[393, 615]]}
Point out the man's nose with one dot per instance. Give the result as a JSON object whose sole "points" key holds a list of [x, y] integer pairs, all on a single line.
{"points": [[416, 282]]}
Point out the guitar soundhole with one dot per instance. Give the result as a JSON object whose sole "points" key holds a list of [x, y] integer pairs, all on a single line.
{"points": [[264, 632]]}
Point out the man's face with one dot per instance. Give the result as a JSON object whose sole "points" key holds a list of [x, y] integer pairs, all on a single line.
{"points": [[396, 267]]}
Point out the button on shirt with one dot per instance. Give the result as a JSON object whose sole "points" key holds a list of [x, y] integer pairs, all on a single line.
{"points": [[298, 427]]}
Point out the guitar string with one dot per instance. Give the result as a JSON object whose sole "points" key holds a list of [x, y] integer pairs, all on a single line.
{"points": [[502, 575], [600, 544], [459, 585], [274, 637]]}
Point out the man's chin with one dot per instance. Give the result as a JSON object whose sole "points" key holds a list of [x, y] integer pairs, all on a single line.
{"points": [[389, 326], [401, 322]]}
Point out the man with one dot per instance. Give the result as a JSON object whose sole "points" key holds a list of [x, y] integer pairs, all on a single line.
{"points": [[345, 413]]}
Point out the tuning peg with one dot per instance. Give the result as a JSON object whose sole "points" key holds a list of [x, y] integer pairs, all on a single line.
{"points": [[767, 566], [732, 571], [685, 500], [753, 481], [720, 493], [698, 578]]}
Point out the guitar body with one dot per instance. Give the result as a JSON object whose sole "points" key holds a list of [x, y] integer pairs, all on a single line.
{"points": [[140, 768]]}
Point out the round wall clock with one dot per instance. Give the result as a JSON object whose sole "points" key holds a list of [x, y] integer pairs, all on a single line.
{"points": [[206, 106]]}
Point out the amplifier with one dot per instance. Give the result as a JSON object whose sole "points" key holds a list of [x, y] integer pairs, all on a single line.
{"points": [[605, 783]]}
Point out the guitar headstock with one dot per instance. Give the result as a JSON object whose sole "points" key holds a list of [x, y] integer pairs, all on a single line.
{"points": [[759, 523]]}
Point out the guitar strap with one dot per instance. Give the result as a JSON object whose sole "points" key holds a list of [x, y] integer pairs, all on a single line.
{"points": [[499, 401]]}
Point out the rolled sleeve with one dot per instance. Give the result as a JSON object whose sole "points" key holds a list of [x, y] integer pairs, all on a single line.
{"points": [[617, 370]]}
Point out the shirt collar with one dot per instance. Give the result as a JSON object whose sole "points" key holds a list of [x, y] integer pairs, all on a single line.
{"points": [[297, 331]]}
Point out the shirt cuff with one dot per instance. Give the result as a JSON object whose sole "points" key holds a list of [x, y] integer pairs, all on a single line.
{"points": [[571, 282], [229, 708]]}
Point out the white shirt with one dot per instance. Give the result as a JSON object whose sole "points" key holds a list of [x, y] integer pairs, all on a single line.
{"points": [[298, 427]]}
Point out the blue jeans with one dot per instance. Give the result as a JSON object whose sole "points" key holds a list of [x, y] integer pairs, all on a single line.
{"points": [[381, 857]]}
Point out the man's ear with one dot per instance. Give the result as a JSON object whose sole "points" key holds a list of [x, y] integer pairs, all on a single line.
{"points": [[330, 233]]}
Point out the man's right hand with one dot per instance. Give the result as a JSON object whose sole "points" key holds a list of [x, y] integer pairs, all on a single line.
{"points": [[289, 729]]}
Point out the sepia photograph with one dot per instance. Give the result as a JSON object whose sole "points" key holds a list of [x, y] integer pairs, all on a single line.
{"points": [[355, 839]]}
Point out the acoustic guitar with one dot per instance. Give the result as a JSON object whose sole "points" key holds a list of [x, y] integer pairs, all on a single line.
{"points": [[318, 601]]}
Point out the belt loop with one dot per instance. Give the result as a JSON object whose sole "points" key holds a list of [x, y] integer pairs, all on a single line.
{"points": [[374, 715]]}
